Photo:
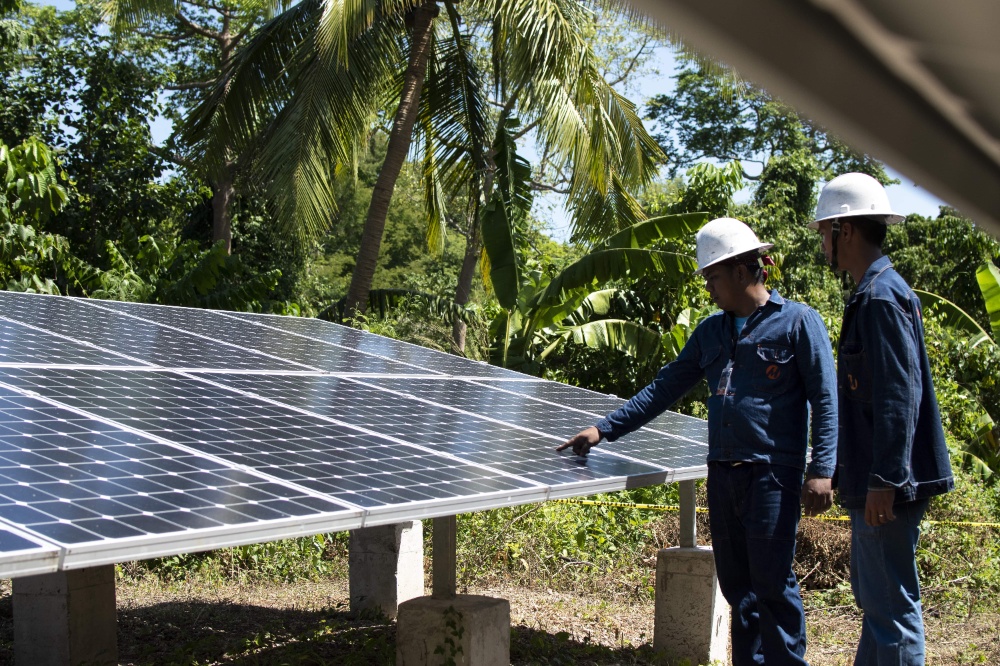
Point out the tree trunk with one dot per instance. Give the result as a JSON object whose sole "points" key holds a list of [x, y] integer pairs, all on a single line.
{"points": [[224, 189], [464, 287], [222, 199], [399, 146]]}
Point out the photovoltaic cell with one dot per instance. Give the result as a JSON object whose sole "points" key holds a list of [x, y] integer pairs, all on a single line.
{"points": [[11, 543], [561, 394], [310, 353], [130, 337]]}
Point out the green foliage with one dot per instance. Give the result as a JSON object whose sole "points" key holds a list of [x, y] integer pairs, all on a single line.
{"points": [[31, 182], [708, 188], [960, 564], [559, 545], [182, 273], [966, 368], [382, 303], [708, 118], [92, 104], [454, 630], [953, 316], [503, 220], [42, 263], [305, 558], [941, 256]]}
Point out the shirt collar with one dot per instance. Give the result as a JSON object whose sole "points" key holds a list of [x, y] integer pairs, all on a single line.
{"points": [[877, 267], [774, 299]]}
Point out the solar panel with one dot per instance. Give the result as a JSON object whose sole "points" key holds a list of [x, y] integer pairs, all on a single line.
{"points": [[81, 482], [309, 353], [21, 344], [131, 431], [366, 343], [132, 339]]}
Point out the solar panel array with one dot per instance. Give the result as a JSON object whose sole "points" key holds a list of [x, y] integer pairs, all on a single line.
{"points": [[130, 431]]}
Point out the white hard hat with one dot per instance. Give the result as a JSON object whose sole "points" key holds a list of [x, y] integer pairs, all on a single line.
{"points": [[724, 238], [854, 195]]}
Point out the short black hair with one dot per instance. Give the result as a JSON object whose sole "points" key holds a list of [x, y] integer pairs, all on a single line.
{"points": [[751, 261], [872, 229]]}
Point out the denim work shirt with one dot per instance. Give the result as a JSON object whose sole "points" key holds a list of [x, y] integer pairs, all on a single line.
{"points": [[781, 360], [890, 428]]}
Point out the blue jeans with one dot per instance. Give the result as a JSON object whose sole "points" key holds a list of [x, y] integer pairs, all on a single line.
{"points": [[886, 586], [753, 510]]}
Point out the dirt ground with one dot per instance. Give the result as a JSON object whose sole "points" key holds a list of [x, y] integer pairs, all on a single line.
{"points": [[202, 623], [308, 623]]}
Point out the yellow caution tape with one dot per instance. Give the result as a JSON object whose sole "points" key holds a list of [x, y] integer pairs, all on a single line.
{"points": [[668, 507]]}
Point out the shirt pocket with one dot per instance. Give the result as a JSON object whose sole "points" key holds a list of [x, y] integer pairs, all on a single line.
{"points": [[774, 369], [709, 356], [854, 374]]}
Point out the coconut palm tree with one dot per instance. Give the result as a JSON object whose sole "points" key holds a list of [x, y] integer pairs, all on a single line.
{"points": [[304, 92]]}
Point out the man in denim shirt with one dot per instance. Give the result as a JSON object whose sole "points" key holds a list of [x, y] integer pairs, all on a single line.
{"points": [[892, 455], [766, 360]]}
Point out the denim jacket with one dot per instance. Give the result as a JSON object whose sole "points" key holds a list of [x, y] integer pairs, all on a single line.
{"points": [[890, 428], [781, 360]]}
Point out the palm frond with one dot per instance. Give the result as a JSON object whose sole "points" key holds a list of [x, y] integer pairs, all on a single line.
{"points": [[124, 16], [300, 107], [598, 215], [453, 107]]}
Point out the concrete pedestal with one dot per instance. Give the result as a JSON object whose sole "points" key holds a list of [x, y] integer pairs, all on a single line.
{"points": [[66, 618], [386, 566], [691, 619], [471, 630]]}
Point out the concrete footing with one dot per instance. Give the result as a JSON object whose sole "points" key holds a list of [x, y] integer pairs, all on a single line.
{"points": [[467, 630], [386, 566], [691, 619], [66, 618]]}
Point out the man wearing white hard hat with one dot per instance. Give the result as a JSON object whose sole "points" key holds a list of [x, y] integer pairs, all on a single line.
{"points": [[892, 457], [766, 360]]}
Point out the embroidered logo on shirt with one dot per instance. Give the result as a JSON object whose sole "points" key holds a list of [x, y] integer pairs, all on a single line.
{"points": [[773, 372], [853, 381]]}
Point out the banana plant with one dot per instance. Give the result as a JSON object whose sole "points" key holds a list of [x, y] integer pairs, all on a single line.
{"points": [[541, 314], [983, 453]]}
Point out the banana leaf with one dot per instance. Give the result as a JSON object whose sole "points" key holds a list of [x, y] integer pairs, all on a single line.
{"points": [[954, 316], [654, 229], [988, 277], [615, 264]]}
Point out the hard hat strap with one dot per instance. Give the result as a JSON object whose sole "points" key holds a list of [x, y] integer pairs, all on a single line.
{"points": [[834, 236]]}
